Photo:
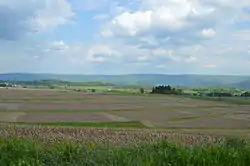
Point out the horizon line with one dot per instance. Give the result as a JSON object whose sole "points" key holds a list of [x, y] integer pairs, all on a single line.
{"points": [[179, 74]]}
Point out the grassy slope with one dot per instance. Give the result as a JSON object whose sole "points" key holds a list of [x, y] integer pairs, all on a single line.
{"points": [[24, 152]]}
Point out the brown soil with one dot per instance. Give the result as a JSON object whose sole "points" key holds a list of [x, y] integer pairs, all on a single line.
{"points": [[64, 117]]}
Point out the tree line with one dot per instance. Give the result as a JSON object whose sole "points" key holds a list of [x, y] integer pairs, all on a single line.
{"points": [[165, 89]]}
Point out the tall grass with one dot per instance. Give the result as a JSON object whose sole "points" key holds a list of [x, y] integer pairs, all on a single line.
{"points": [[24, 152]]}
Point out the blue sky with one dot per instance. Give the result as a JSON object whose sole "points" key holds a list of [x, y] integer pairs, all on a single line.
{"points": [[125, 36]]}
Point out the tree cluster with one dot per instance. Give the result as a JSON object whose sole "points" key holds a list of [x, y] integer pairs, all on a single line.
{"points": [[3, 85], [246, 94], [165, 89], [219, 94]]}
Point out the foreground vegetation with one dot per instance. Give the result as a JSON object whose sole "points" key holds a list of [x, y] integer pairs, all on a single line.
{"points": [[232, 152]]}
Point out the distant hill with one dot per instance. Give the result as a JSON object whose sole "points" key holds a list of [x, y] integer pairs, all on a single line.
{"points": [[132, 79], [50, 82], [243, 84]]}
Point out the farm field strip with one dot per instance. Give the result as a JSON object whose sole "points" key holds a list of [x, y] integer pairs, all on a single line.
{"points": [[114, 124], [110, 136], [134, 125], [190, 111], [70, 117], [237, 101], [197, 117]]}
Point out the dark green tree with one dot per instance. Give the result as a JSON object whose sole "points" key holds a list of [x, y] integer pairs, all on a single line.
{"points": [[142, 91]]}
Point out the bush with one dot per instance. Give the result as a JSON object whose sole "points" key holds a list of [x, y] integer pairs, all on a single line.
{"points": [[142, 91], [51, 87]]}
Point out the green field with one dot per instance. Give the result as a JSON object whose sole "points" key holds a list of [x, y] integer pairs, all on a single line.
{"points": [[130, 124], [232, 152]]}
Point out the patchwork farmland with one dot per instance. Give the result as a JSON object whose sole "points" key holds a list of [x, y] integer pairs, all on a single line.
{"points": [[54, 127], [171, 113]]}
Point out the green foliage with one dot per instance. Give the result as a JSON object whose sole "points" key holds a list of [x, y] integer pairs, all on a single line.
{"points": [[245, 94], [163, 89], [24, 152], [3, 85], [235, 143], [142, 91], [219, 94], [52, 87]]}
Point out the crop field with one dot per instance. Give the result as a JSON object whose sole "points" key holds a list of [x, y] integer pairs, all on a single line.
{"points": [[59, 127], [152, 111], [26, 105]]}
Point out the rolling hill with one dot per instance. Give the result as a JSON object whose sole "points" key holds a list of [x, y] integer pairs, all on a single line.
{"points": [[243, 85], [132, 79]]}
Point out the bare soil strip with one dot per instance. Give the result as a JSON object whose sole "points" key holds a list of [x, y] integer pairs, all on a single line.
{"points": [[63, 117], [114, 117], [10, 117]]}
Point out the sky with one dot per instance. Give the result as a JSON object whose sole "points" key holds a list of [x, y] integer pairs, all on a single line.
{"points": [[125, 36]]}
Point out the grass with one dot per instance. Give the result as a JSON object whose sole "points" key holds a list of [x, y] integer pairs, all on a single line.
{"points": [[176, 108], [53, 111], [230, 100], [130, 124], [197, 117], [232, 152], [201, 129], [64, 111]]}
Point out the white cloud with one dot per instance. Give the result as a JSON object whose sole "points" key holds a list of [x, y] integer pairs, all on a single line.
{"points": [[36, 56], [208, 32], [53, 14], [173, 22], [58, 46], [143, 58], [161, 52], [107, 33], [191, 59], [161, 66], [102, 53], [101, 17], [148, 36], [29, 16], [209, 66], [158, 15], [242, 35], [132, 24]]}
